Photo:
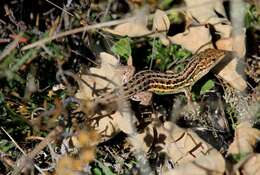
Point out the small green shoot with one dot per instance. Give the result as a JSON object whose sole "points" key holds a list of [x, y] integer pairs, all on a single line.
{"points": [[6, 145], [102, 169], [206, 87], [202, 87], [238, 157], [122, 48], [97, 171], [252, 17], [176, 17], [164, 56], [165, 4]]}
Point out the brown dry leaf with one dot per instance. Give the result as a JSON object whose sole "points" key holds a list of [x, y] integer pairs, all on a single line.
{"points": [[181, 145], [192, 40], [133, 28], [107, 126], [108, 69], [161, 24], [203, 10], [68, 165], [198, 36], [184, 145], [161, 21], [85, 138], [236, 43], [230, 74], [138, 26], [87, 155], [211, 164], [250, 166], [245, 139]]}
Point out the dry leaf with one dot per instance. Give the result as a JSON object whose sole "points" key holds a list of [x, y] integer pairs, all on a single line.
{"points": [[138, 27], [161, 21], [239, 44], [203, 10], [68, 165], [222, 26], [127, 121], [236, 43], [133, 28], [250, 166], [229, 74], [245, 139], [107, 126], [179, 144], [108, 69], [193, 39], [211, 164], [185, 145]]}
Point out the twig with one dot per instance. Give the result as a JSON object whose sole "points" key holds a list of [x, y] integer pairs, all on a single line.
{"points": [[49, 138], [10, 47], [74, 31], [62, 9], [100, 25], [38, 168], [6, 159]]}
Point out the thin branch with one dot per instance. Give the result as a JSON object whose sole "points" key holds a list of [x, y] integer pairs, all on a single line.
{"points": [[62, 9], [74, 31], [49, 138], [43, 41]]}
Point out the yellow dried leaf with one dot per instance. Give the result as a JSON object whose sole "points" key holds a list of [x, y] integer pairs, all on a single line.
{"points": [[211, 164], [203, 10], [245, 139], [251, 166], [193, 39], [134, 28], [161, 21], [180, 145]]}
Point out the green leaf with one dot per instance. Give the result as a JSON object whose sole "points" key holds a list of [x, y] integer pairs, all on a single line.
{"points": [[106, 170], [102, 169], [163, 56], [207, 86], [122, 48], [238, 157], [165, 4], [2, 97], [181, 54], [5, 145], [97, 171]]}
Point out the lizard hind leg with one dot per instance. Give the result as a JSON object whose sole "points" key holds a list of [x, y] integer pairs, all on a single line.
{"points": [[188, 95]]}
